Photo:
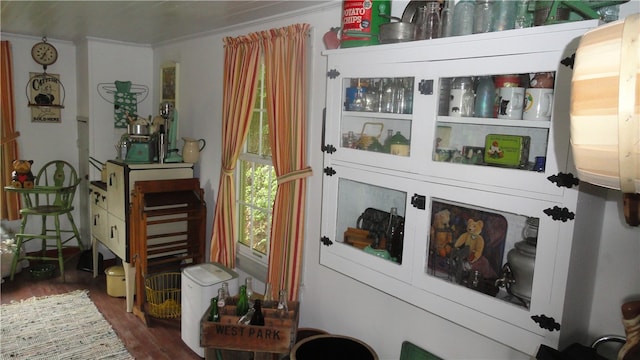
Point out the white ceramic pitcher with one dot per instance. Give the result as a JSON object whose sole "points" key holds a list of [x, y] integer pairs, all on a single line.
{"points": [[191, 149]]}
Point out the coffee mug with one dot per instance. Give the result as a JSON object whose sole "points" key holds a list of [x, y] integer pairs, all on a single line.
{"points": [[510, 101], [538, 104]]}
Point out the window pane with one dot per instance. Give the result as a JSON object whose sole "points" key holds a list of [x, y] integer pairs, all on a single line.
{"points": [[253, 137], [266, 143], [244, 225]]}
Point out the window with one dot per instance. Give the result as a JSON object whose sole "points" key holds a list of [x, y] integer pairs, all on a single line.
{"points": [[256, 188]]}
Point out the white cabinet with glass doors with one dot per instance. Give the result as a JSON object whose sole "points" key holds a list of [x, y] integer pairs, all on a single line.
{"points": [[466, 216]]}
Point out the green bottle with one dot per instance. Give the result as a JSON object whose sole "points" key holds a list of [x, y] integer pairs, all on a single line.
{"points": [[213, 314], [243, 302]]}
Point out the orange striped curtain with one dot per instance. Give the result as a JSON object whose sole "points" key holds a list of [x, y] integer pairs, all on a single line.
{"points": [[10, 203], [285, 53], [241, 63]]}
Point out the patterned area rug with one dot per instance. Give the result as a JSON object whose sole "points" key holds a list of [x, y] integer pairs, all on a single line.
{"points": [[67, 326]]}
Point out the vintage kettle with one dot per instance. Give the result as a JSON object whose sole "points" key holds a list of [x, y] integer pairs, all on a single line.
{"points": [[191, 149]]}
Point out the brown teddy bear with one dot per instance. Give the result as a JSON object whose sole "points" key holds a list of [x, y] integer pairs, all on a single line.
{"points": [[475, 243], [473, 240], [441, 232], [22, 177]]}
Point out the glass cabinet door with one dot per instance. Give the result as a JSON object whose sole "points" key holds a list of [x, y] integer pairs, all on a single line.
{"points": [[498, 121], [371, 117], [369, 221], [487, 250]]}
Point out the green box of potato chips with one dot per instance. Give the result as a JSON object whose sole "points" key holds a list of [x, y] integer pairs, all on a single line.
{"points": [[506, 150]]}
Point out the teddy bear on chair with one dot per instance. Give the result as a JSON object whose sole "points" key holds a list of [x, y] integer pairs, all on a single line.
{"points": [[22, 177]]}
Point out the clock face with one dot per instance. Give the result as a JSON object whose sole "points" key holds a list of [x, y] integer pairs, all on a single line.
{"points": [[44, 53]]}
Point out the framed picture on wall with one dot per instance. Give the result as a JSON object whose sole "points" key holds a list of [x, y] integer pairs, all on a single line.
{"points": [[169, 83]]}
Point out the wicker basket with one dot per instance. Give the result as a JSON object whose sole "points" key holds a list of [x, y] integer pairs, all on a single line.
{"points": [[163, 295], [42, 271]]}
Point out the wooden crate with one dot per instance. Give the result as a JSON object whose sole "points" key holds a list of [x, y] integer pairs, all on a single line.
{"points": [[276, 336]]}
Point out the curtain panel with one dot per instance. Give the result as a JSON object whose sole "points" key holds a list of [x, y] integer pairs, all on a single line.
{"points": [[10, 203], [241, 64], [285, 57], [285, 52]]}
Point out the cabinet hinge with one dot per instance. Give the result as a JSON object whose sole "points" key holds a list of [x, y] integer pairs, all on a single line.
{"points": [[568, 61], [329, 171], [333, 73], [546, 322], [560, 214], [328, 148], [561, 179], [326, 241], [425, 87], [419, 201]]}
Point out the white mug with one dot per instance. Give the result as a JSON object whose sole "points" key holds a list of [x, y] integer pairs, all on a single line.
{"points": [[538, 104], [510, 102]]}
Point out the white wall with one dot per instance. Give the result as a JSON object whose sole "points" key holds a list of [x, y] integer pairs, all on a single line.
{"points": [[330, 301], [44, 142]]}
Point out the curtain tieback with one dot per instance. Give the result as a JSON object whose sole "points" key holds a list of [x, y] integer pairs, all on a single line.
{"points": [[295, 175], [11, 137], [228, 171]]}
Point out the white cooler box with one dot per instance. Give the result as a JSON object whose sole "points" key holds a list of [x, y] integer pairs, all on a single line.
{"points": [[200, 283]]}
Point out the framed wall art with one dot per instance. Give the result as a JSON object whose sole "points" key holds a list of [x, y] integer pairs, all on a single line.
{"points": [[169, 76], [46, 97]]}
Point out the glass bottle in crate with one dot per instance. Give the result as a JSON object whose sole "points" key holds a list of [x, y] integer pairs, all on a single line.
{"points": [[257, 318], [243, 302], [214, 315], [248, 282], [222, 298], [283, 307]]}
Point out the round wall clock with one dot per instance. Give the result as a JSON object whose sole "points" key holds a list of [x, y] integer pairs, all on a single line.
{"points": [[44, 53]]}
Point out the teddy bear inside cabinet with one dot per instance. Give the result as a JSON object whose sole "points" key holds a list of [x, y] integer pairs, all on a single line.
{"points": [[462, 219]]}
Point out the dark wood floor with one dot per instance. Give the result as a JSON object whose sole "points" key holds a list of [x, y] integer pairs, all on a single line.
{"points": [[159, 341]]}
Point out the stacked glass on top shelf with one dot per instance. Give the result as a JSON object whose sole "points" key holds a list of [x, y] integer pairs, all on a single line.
{"points": [[377, 114], [495, 119]]}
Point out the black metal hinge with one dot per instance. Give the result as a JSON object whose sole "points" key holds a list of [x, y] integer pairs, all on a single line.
{"points": [[569, 61], [326, 241], [333, 73], [558, 213], [546, 322], [561, 179], [419, 201], [329, 171]]}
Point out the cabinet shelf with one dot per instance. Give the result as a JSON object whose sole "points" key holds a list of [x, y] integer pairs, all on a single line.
{"points": [[376, 114], [495, 122]]}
